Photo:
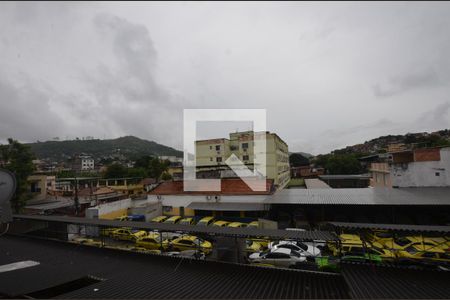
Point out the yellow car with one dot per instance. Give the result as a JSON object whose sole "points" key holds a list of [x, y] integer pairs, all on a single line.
{"points": [[121, 218], [88, 242], [253, 246], [220, 224], [173, 220], [254, 224], [378, 249], [206, 221], [153, 242], [401, 243], [186, 221], [237, 224], [263, 242], [418, 251], [159, 219], [190, 242], [128, 234], [380, 236], [108, 231]]}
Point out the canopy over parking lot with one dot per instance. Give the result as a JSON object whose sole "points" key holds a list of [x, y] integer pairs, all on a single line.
{"points": [[221, 231], [393, 227]]}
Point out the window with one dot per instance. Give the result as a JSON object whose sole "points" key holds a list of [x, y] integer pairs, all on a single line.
{"points": [[244, 145], [185, 242], [218, 159], [245, 157], [210, 147], [210, 159], [218, 148], [437, 174]]}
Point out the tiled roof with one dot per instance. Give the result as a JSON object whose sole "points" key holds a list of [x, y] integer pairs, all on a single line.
{"points": [[233, 186]]}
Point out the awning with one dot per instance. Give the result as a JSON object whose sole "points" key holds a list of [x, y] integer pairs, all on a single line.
{"points": [[228, 206]]}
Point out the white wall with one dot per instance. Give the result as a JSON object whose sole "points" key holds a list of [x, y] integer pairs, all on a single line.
{"points": [[423, 174]]}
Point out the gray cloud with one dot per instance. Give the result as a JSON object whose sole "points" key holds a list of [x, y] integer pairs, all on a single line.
{"points": [[107, 70], [400, 84]]}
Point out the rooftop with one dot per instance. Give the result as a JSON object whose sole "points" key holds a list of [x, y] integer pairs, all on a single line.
{"points": [[123, 274], [229, 186], [363, 196]]}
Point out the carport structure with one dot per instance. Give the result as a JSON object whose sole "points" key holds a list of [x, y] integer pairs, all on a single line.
{"points": [[440, 235], [229, 243]]}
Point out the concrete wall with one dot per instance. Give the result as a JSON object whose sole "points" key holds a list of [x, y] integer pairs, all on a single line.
{"points": [[423, 173]]}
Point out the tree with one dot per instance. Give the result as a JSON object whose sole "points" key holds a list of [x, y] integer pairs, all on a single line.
{"points": [[116, 171], [340, 164], [297, 160], [137, 172], [153, 165], [18, 159], [166, 176]]}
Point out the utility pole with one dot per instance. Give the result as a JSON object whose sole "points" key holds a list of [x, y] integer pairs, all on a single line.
{"points": [[77, 204]]}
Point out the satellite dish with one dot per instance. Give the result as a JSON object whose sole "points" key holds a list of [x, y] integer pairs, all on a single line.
{"points": [[7, 190]]}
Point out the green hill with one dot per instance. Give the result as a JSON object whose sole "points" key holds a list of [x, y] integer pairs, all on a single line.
{"points": [[129, 147]]}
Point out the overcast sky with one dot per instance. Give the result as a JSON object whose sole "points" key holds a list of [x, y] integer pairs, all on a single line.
{"points": [[329, 74]]}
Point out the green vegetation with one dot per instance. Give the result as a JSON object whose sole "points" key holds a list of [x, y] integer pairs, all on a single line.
{"points": [[145, 166], [129, 146], [340, 164], [296, 182], [297, 160], [18, 159]]}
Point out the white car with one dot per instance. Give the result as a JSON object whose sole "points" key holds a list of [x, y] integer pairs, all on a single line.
{"points": [[280, 257], [305, 249], [187, 253]]}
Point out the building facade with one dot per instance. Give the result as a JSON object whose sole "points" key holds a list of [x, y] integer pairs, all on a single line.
{"points": [[424, 167], [212, 154], [83, 163]]}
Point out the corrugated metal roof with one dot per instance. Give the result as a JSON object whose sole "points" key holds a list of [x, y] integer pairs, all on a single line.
{"points": [[227, 206], [133, 275], [363, 196], [379, 282], [315, 183], [397, 227], [223, 231], [354, 176]]}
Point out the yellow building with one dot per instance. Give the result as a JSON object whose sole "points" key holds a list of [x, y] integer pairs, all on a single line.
{"points": [[212, 154], [40, 185]]}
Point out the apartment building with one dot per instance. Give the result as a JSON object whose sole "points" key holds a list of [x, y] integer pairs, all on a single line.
{"points": [[212, 154], [83, 163], [426, 167]]}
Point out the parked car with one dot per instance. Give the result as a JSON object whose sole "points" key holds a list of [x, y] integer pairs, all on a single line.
{"points": [[206, 221], [237, 224], [153, 241], [186, 221], [306, 249], [172, 220], [253, 246], [136, 218], [88, 242], [190, 242], [128, 234], [253, 224], [280, 257], [159, 219], [121, 218], [187, 253], [220, 223]]}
